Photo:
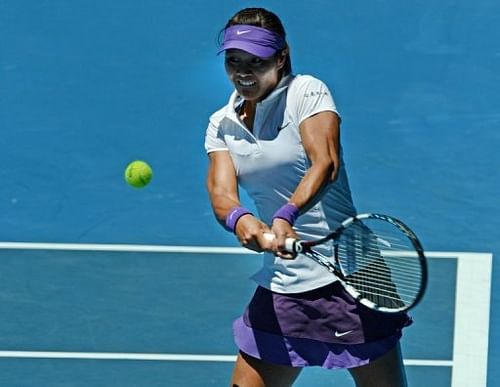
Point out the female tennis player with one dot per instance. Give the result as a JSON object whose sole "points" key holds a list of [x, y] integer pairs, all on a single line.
{"points": [[278, 138]]}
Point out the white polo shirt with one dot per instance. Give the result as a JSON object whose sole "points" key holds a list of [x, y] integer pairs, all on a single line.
{"points": [[271, 161]]}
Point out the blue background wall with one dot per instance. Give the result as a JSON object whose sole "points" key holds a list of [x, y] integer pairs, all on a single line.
{"points": [[88, 86]]}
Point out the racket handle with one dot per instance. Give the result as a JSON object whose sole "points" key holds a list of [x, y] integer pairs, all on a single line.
{"points": [[290, 243]]}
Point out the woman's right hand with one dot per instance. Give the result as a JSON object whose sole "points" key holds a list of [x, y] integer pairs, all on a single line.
{"points": [[250, 232]]}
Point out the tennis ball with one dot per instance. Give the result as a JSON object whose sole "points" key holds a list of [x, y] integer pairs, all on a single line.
{"points": [[138, 174]]}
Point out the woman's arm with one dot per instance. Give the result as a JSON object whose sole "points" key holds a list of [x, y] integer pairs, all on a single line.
{"points": [[320, 136], [222, 187]]}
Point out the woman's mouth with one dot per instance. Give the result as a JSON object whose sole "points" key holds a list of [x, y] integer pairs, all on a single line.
{"points": [[246, 83]]}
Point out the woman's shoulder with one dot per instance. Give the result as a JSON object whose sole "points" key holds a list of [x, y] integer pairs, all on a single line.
{"points": [[304, 85], [304, 80], [224, 111], [219, 114]]}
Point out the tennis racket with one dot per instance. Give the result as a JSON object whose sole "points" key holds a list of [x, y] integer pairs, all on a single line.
{"points": [[377, 258]]}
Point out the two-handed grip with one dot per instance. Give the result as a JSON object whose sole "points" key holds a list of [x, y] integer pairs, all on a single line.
{"points": [[291, 244]]}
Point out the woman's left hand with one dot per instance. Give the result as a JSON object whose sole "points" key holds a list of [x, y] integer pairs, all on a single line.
{"points": [[283, 230]]}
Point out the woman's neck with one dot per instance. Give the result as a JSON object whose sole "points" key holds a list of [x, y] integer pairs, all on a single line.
{"points": [[249, 107], [247, 113]]}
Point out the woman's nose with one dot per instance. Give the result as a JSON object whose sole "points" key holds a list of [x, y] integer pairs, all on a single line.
{"points": [[242, 70]]}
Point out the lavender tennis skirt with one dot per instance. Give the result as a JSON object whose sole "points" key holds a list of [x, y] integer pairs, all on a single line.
{"points": [[324, 327]]}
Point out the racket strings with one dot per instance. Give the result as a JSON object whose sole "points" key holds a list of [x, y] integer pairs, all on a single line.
{"points": [[383, 281], [380, 264], [364, 260], [408, 274], [380, 284]]}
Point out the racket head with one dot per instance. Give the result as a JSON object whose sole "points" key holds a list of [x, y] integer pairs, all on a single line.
{"points": [[378, 259]]}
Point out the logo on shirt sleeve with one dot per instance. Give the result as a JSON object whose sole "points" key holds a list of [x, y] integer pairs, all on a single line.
{"points": [[315, 93]]}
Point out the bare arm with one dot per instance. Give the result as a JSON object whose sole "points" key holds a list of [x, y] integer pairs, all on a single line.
{"points": [[320, 136], [222, 187]]}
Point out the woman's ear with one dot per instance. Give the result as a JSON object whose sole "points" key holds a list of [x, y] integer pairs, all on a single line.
{"points": [[282, 58]]}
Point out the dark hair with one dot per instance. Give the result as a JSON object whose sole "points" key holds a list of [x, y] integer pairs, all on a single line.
{"points": [[263, 18]]}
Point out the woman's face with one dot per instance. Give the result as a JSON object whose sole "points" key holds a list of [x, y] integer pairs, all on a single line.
{"points": [[253, 77]]}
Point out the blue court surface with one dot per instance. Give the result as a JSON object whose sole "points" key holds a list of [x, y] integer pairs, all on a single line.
{"points": [[106, 285]]}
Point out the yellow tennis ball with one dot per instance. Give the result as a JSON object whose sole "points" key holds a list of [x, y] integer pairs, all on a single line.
{"points": [[138, 174]]}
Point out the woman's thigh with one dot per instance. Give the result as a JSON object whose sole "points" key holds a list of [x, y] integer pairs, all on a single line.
{"points": [[387, 371], [252, 372]]}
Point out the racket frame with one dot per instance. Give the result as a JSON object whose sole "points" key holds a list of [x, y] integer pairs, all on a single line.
{"points": [[306, 248]]}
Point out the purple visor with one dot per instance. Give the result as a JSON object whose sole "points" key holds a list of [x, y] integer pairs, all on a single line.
{"points": [[254, 40]]}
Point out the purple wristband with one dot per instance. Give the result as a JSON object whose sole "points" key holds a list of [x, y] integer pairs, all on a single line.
{"points": [[288, 212], [234, 215]]}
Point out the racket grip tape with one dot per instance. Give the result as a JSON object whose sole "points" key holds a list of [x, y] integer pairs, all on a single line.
{"points": [[291, 244]]}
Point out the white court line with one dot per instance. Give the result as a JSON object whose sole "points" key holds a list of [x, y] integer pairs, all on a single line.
{"points": [[127, 248], [116, 356], [122, 248], [470, 346], [162, 357], [472, 318]]}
